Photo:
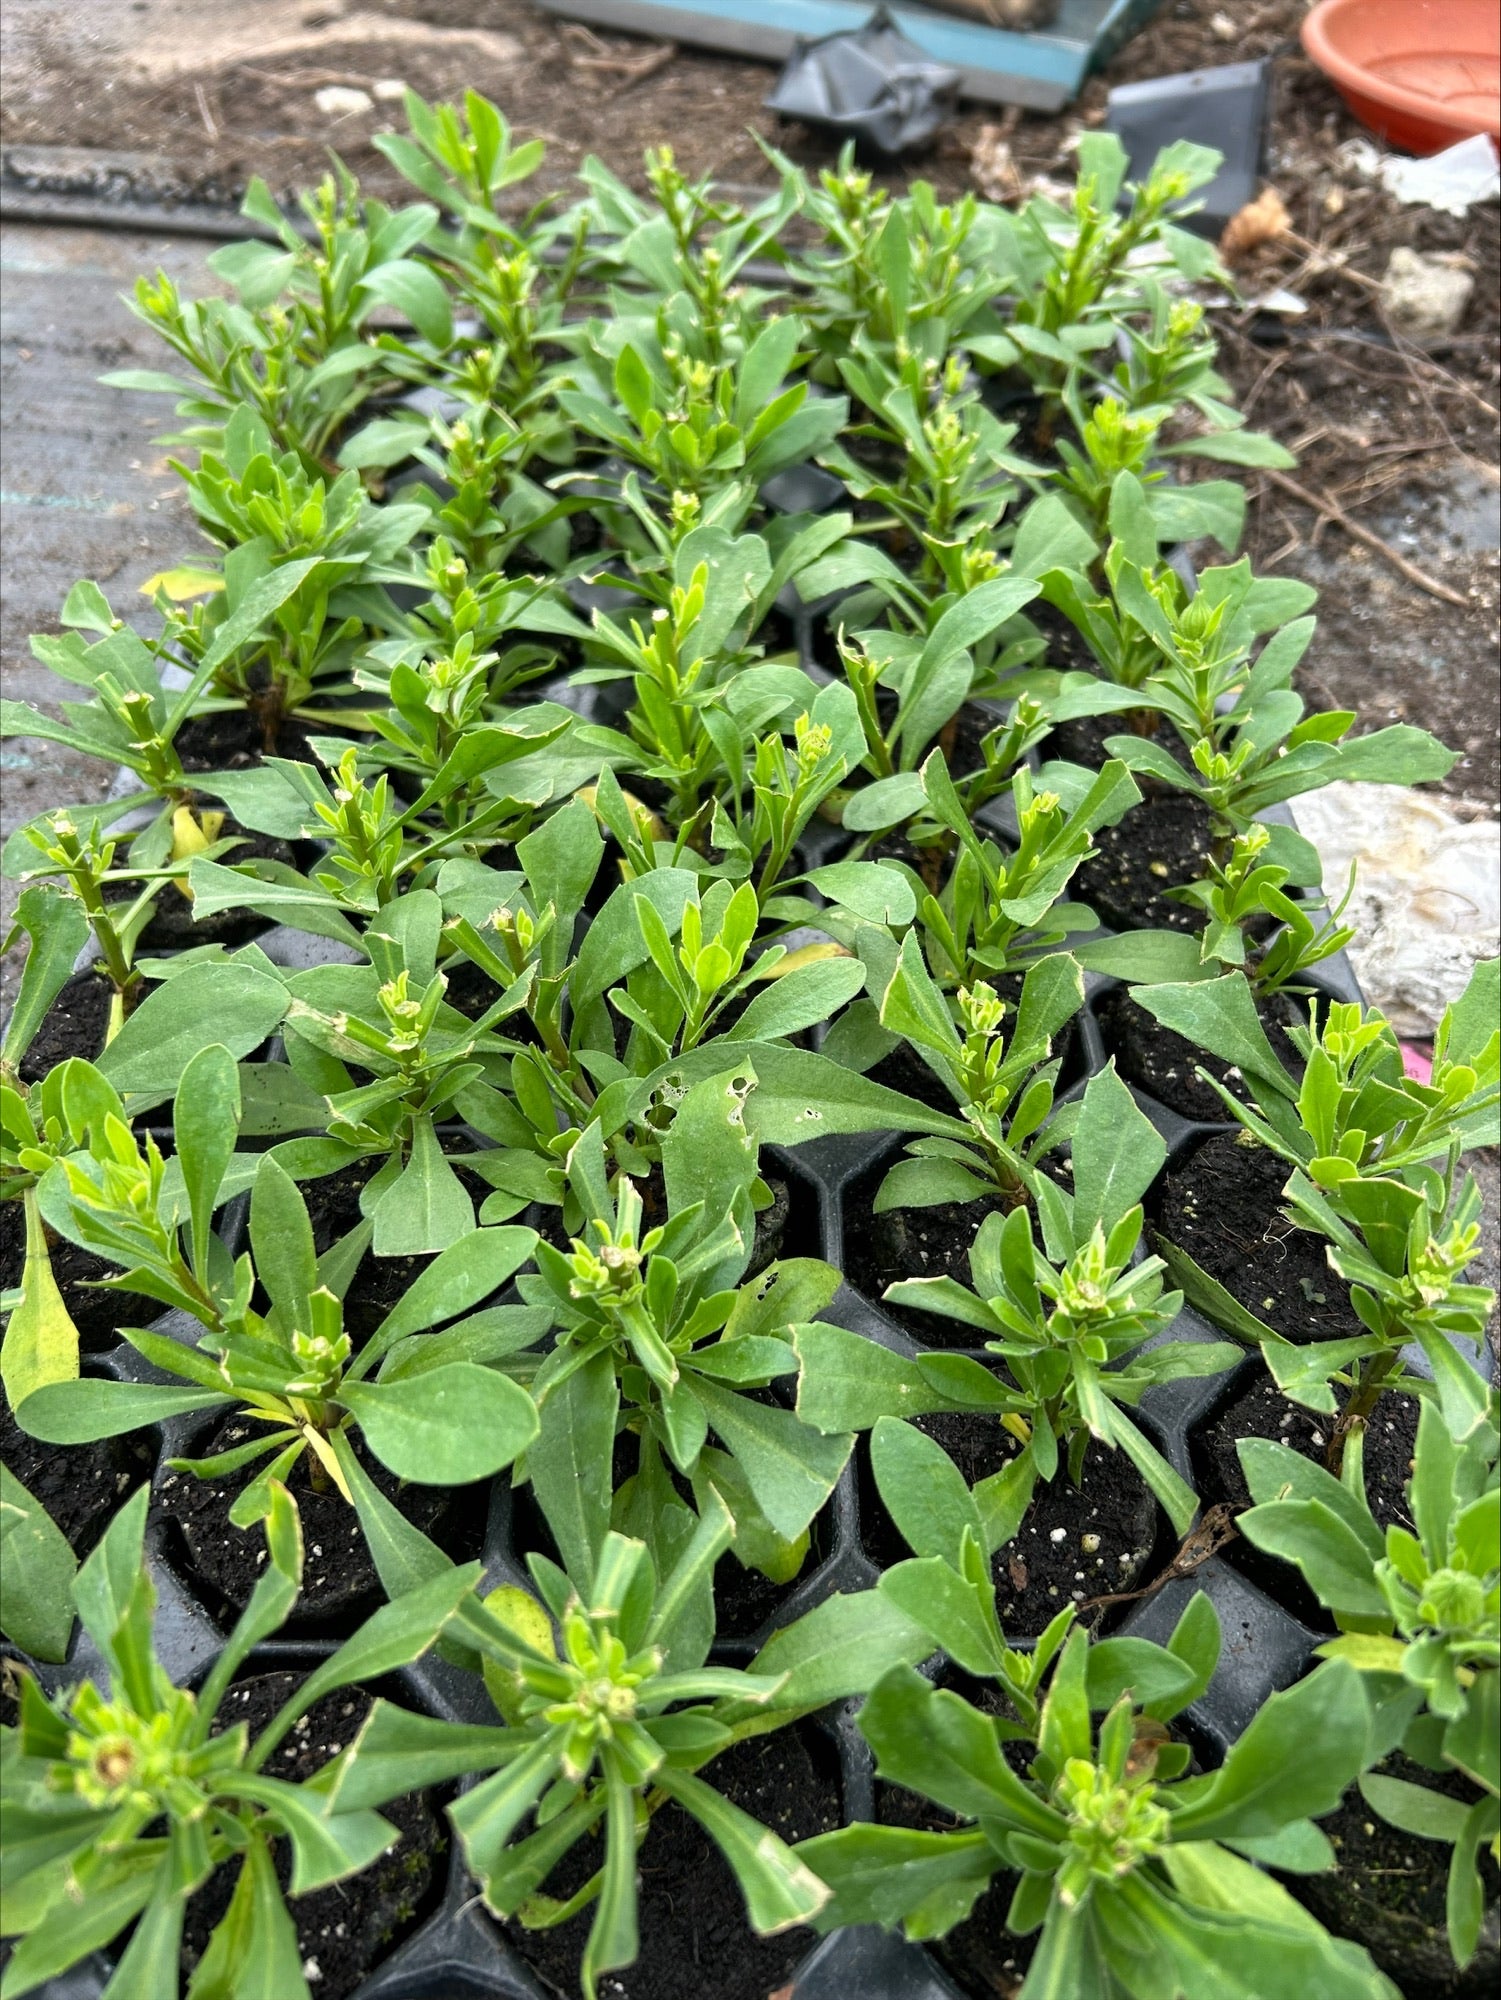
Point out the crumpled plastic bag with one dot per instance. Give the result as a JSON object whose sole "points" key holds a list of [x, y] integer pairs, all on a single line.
{"points": [[1427, 902], [873, 86], [1453, 181]]}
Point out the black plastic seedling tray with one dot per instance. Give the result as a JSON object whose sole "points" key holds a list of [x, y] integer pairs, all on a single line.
{"points": [[459, 1951]]}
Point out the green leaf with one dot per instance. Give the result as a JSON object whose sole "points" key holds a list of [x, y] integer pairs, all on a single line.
{"points": [[848, 1383], [416, 291], [779, 1888], [467, 1273], [875, 807], [801, 999], [875, 892], [790, 1467], [937, 1745], [444, 1427], [394, 1636], [840, 1648], [83, 1411], [253, 1954], [427, 1206], [205, 1126], [569, 1465], [1151, 1675], [889, 1875], [1209, 1295], [1237, 447], [55, 922], [923, 1489], [404, 1558], [1294, 1761], [1220, 1015], [1414, 1808], [229, 1002], [36, 1574], [281, 1241], [952, 1612], [1116, 1153]]}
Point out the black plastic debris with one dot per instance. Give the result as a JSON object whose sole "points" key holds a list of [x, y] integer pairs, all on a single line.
{"points": [[1225, 108], [873, 86]]}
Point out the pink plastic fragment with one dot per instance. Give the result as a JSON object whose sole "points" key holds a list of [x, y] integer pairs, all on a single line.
{"points": [[1417, 1063]]}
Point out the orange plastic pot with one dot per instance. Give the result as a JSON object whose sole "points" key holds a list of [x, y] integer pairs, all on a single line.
{"points": [[1423, 74]]}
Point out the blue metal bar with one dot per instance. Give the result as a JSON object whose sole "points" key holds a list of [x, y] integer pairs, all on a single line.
{"points": [[1041, 70]]}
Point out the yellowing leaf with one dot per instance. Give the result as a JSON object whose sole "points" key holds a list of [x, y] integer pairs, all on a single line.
{"points": [[808, 954], [192, 833], [41, 1341], [182, 584], [1368, 1651], [520, 1613]]}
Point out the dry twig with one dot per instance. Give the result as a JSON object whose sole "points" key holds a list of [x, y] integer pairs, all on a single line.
{"points": [[1323, 504]]}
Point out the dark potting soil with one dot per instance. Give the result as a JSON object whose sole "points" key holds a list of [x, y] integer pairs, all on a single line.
{"points": [[339, 1581], [1223, 1205], [1166, 1064], [1161, 844], [1074, 1543], [74, 1025], [1083, 740], [380, 1283], [98, 1315], [695, 1938], [1257, 1408], [173, 926], [82, 1486], [348, 1927], [882, 1249], [1388, 1893], [231, 739]]}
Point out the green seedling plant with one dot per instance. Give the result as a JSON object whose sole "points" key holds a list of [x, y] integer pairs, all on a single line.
{"points": [[464, 162], [1002, 1084], [331, 547], [78, 1111], [698, 695], [607, 1712], [658, 1322], [1250, 743], [130, 720], [1000, 909], [1070, 1319], [955, 474], [289, 1367], [293, 346], [1354, 1108], [1416, 1610], [679, 265], [1251, 922], [1079, 273], [1361, 1139], [900, 277], [1141, 1879], [122, 1802]]}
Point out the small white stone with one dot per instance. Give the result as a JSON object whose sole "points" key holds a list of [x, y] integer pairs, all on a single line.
{"points": [[311, 1970], [390, 90], [337, 100], [1058, 1534]]}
